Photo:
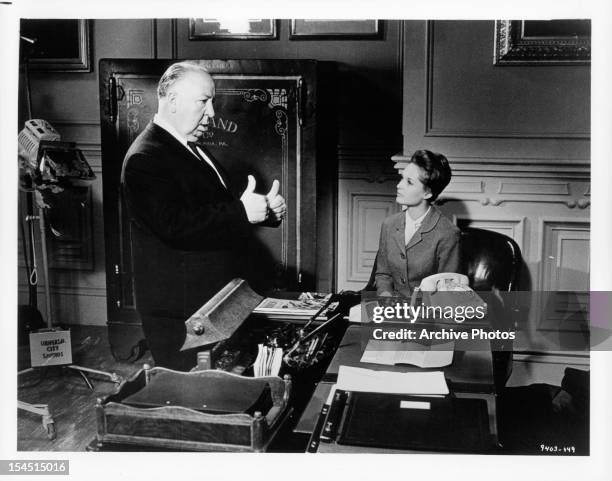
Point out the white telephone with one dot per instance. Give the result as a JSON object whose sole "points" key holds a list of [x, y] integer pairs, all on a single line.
{"points": [[445, 281], [434, 287]]}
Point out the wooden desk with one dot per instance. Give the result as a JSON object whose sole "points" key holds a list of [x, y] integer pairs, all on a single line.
{"points": [[469, 376]]}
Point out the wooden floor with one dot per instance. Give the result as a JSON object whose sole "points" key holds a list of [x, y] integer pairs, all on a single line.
{"points": [[70, 401]]}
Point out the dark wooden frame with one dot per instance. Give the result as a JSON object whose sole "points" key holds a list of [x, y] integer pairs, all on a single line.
{"points": [[80, 63], [377, 32], [512, 48], [273, 35]]}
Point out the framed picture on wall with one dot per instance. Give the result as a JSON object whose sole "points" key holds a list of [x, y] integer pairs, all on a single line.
{"points": [[56, 44], [232, 29], [542, 42], [340, 29]]}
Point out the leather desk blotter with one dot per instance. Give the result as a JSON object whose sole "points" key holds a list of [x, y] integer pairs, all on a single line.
{"points": [[399, 421], [218, 395]]}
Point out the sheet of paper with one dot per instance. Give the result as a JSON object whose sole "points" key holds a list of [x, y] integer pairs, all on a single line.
{"points": [[268, 361], [367, 380], [355, 314], [330, 396], [388, 354]]}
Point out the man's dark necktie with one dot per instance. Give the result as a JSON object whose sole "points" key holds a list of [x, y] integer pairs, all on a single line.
{"points": [[217, 167]]}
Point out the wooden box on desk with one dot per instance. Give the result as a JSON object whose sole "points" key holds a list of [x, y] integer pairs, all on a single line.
{"points": [[177, 427]]}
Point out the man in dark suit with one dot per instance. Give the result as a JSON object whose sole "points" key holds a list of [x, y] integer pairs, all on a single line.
{"points": [[188, 226]]}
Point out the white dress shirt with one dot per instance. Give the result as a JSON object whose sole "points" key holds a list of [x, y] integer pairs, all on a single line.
{"points": [[413, 225], [172, 131]]}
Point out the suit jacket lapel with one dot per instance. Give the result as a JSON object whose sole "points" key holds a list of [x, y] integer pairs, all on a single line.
{"points": [[429, 222], [170, 141], [222, 171], [399, 232], [186, 154]]}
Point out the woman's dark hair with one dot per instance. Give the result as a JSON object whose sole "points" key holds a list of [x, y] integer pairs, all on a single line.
{"points": [[437, 172]]}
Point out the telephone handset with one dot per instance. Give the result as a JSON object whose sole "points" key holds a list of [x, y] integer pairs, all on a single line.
{"points": [[445, 281]]}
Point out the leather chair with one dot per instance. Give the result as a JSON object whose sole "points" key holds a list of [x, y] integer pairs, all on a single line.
{"points": [[492, 261]]}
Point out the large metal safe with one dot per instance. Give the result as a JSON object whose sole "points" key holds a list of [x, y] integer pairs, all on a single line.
{"points": [[274, 119]]}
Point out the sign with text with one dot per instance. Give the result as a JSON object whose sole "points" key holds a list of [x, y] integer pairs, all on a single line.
{"points": [[50, 348]]}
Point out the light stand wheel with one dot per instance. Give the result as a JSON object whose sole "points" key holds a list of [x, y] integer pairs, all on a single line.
{"points": [[51, 432]]}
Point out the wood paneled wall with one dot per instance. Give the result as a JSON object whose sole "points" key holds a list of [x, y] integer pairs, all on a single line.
{"points": [[518, 140], [369, 119]]}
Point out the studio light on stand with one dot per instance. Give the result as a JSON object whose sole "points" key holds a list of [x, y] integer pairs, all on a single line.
{"points": [[54, 174]]}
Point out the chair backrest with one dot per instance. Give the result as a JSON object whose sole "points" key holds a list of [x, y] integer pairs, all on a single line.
{"points": [[490, 259]]}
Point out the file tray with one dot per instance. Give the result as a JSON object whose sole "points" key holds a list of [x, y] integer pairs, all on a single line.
{"points": [[198, 411], [211, 394]]}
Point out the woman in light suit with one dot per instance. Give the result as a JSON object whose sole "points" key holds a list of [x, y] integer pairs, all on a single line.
{"points": [[419, 241]]}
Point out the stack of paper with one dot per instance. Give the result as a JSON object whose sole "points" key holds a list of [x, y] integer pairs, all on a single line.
{"points": [[268, 362], [367, 380]]}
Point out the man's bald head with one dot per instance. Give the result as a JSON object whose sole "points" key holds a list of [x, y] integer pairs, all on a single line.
{"points": [[175, 73], [185, 96]]}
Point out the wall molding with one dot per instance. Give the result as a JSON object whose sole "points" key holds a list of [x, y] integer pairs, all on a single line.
{"points": [[74, 290], [75, 121], [551, 223], [399, 67], [539, 188], [504, 180], [359, 265], [501, 134], [174, 37], [153, 38], [516, 225], [465, 187], [513, 167], [431, 131], [497, 201]]}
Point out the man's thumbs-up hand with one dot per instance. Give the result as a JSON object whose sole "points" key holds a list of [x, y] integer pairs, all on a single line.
{"points": [[256, 205], [251, 184], [273, 190], [276, 203]]}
